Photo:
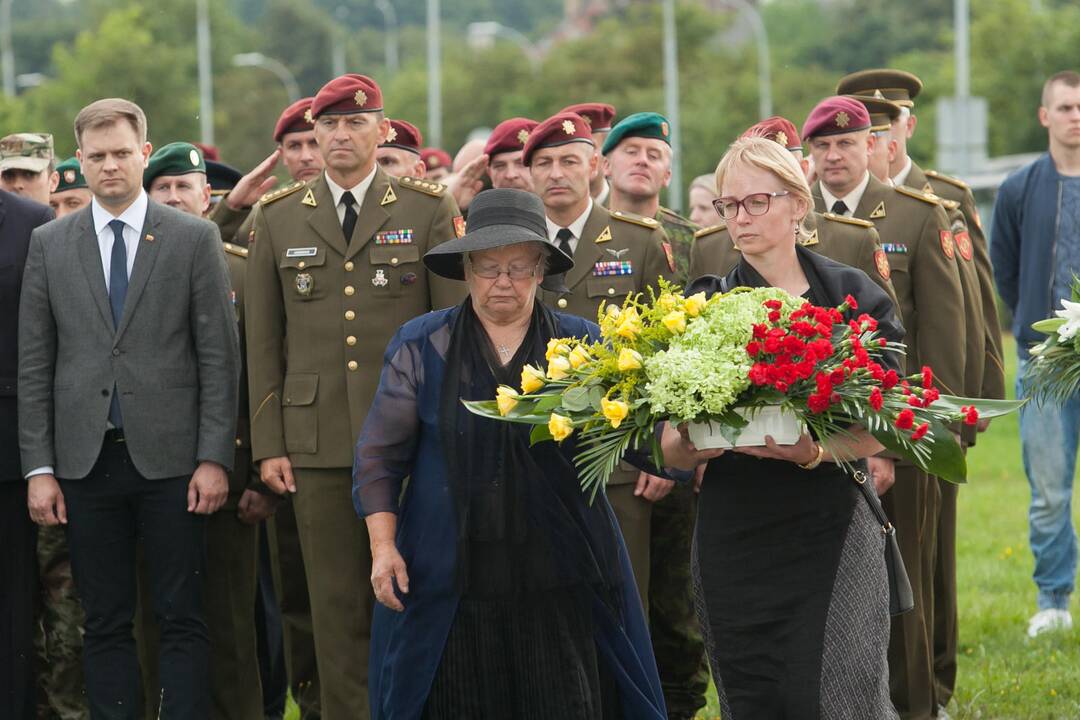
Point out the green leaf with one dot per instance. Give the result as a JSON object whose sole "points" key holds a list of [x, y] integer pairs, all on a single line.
{"points": [[940, 455], [576, 399], [596, 394], [986, 408], [539, 434], [1047, 326]]}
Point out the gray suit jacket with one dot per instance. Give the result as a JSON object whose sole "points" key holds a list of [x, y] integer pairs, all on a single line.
{"points": [[174, 358]]}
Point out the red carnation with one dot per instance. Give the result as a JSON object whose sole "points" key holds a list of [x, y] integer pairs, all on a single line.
{"points": [[927, 376], [837, 376], [882, 342], [773, 304], [774, 316], [920, 431], [914, 401], [871, 323], [781, 386], [753, 348], [905, 419], [794, 345], [890, 380], [758, 374], [929, 396], [971, 415], [759, 331], [850, 302], [876, 371], [823, 329], [876, 399], [818, 402], [772, 344]]}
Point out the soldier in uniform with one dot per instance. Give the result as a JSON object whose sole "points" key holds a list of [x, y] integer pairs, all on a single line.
{"points": [[848, 240], [615, 254], [27, 165], [71, 193], [599, 117], [333, 270], [437, 163], [503, 151], [176, 176], [637, 164], [222, 179], [988, 381], [915, 235], [399, 156]]}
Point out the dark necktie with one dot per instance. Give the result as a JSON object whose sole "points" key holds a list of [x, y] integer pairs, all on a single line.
{"points": [[349, 223], [563, 236], [839, 208], [118, 285]]}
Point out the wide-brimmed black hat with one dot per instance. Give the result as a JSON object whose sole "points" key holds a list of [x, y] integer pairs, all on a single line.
{"points": [[497, 218]]}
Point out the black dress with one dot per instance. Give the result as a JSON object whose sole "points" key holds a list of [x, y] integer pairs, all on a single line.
{"points": [[789, 564]]}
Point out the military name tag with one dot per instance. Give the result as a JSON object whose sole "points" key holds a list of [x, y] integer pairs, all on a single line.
{"points": [[304, 283], [898, 248], [301, 252], [614, 267], [394, 237]]}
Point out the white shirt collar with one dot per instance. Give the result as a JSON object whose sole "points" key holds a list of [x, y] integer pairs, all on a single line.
{"points": [[900, 178], [359, 190], [576, 227], [852, 199], [134, 216]]}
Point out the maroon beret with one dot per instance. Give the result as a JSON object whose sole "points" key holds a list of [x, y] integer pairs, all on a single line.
{"points": [[509, 136], [404, 135], [835, 116], [295, 118], [210, 152], [597, 115], [778, 129], [347, 94], [434, 158], [559, 129]]}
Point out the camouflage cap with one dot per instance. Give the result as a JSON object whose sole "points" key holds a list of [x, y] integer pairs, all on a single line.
{"points": [[71, 177], [26, 151]]}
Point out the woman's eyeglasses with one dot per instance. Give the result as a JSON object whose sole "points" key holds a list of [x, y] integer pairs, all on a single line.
{"points": [[755, 204], [514, 272]]}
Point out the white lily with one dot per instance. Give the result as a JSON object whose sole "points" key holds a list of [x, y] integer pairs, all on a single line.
{"points": [[1070, 312]]}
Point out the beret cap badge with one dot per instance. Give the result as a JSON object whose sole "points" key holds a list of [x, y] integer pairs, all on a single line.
{"points": [[522, 136], [360, 97], [842, 119], [391, 136], [568, 127], [307, 116]]}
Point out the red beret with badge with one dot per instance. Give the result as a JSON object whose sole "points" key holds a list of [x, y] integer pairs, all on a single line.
{"points": [[559, 129], [295, 118], [835, 116], [404, 136], [509, 136], [346, 95], [778, 129], [599, 116], [435, 158]]}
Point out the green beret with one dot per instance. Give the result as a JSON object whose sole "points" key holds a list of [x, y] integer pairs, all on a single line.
{"points": [[643, 124], [71, 177], [178, 158]]}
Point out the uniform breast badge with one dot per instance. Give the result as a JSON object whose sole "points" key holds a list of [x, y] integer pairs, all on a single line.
{"points": [[380, 279], [304, 283]]}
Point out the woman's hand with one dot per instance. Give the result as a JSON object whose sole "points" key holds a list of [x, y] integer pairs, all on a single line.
{"points": [[680, 453], [802, 452], [388, 566]]}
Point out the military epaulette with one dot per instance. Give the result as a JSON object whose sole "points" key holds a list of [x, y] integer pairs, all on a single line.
{"points": [[947, 179], [849, 220], [918, 194], [949, 204], [710, 230], [675, 217], [429, 188], [275, 195], [635, 219], [236, 250]]}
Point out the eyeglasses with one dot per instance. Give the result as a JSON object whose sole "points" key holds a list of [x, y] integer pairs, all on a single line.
{"points": [[514, 272], [755, 204]]}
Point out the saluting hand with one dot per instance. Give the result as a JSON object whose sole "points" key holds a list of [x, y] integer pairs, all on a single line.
{"points": [[387, 566], [255, 184], [208, 489], [45, 501], [466, 183]]}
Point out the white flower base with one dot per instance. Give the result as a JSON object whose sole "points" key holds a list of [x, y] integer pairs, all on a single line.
{"points": [[783, 425]]}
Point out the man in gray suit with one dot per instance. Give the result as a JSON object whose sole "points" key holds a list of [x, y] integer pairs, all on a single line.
{"points": [[128, 379]]}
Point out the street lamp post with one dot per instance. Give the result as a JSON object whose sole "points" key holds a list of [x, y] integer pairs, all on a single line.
{"points": [[483, 34], [283, 73], [434, 66], [7, 53], [764, 71], [206, 81], [671, 102], [391, 24]]}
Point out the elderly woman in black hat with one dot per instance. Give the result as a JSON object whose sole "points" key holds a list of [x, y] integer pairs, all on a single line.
{"points": [[502, 592]]}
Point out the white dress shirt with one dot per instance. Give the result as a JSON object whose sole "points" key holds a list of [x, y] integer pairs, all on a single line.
{"points": [[852, 199], [134, 217], [575, 227], [358, 191], [901, 177]]}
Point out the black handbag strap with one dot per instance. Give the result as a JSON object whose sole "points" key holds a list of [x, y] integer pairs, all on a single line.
{"points": [[861, 479]]}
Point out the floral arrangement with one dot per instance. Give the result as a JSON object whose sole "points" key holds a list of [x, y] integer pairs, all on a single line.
{"points": [[1054, 371], [719, 360]]}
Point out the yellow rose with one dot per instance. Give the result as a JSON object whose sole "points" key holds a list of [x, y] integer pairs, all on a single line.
{"points": [[506, 399], [558, 368], [579, 356], [675, 321], [629, 324], [555, 347], [613, 312], [614, 410], [531, 379], [560, 427], [629, 360], [695, 304]]}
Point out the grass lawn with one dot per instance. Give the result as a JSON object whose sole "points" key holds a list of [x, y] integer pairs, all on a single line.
{"points": [[1002, 675]]}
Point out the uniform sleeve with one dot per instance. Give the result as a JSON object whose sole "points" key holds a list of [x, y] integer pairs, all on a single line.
{"points": [[229, 221], [264, 325], [867, 262], [696, 260], [37, 362], [1005, 245], [444, 293], [994, 369], [384, 452], [655, 264], [939, 306]]}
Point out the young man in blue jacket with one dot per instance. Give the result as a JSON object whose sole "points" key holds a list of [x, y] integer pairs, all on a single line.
{"points": [[1035, 249]]}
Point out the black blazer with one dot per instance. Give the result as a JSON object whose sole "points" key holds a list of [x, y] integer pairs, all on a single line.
{"points": [[18, 216]]}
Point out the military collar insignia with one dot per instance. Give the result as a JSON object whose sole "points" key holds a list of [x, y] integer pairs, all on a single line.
{"points": [[879, 211], [389, 197], [309, 199], [604, 236]]}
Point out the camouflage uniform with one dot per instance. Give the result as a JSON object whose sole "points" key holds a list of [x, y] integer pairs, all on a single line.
{"points": [[680, 233], [59, 636]]}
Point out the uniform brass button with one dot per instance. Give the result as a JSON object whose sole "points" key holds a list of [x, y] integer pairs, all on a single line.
{"points": [[350, 315], [349, 266], [562, 303], [393, 261], [239, 442], [353, 364], [350, 290], [351, 340], [611, 291], [301, 264]]}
